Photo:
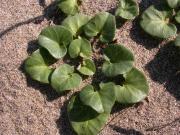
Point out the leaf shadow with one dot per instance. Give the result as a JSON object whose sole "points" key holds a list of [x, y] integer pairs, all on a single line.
{"points": [[45, 89], [157, 128], [138, 35], [51, 13], [125, 131], [164, 69], [62, 122]]}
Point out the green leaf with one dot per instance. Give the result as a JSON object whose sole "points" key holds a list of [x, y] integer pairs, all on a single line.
{"points": [[177, 41], [80, 47], [87, 67], [177, 17], [156, 22], [83, 119], [102, 23], [173, 3], [69, 7], [119, 60], [75, 23], [134, 89], [101, 100], [37, 65], [64, 78], [55, 39], [127, 9]]}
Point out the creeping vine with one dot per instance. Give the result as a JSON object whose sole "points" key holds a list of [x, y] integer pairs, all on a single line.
{"points": [[88, 111]]}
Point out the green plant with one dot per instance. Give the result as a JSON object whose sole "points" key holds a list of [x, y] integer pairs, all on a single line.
{"points": [[158, 21], [69, 7], [118, 60], [102, 24], [127, 9], [88, 110]]}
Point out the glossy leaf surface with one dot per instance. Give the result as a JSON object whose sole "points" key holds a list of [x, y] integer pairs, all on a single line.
{"points": [[83, 119], [134, 89], [55, 39], [37, 65], [155, 21], [100, 100], [64, 78], [119, 60], [80, 47], [75, 23], [87, 67], [102, 23], [69, 7], [127, 9]]}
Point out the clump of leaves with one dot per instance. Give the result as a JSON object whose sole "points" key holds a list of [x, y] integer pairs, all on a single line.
{"points": [[158, 21], [127, 9], [89, 109], [118, 60], [103, 24]]}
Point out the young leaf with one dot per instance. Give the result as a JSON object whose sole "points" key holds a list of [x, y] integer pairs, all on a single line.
{"points": [[127, 9], [156, 22], [177, 17], [177, 41], [101, 100], [102, 23], [80, 47], [83, 119], [173, 3], [87, 67], [55, 39], [134, 89], [69, 7], [64, 78], [75, 23], [119, 60], [37, 65]]}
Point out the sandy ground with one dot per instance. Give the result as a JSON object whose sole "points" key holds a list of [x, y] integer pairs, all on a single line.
{"points": [[29, 108]]}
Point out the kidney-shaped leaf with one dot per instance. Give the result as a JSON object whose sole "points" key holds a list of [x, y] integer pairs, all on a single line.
{"points": [[75, 23], [119, 60], [134, 89], [155, 21], [37, 65], [173, 3], [83, 119], [55, 39], [80, 47], [69, 7], [101, 100], [127, 9], [87, 67], [64, 78], [102, 23]]}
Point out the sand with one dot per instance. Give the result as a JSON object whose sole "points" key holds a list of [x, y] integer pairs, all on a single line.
{"points": [[30, 108]]}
